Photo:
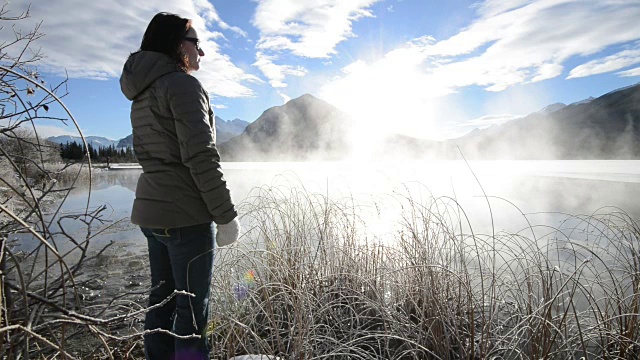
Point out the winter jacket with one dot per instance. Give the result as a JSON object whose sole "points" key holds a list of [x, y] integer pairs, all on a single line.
{"points": [[174, 140]]}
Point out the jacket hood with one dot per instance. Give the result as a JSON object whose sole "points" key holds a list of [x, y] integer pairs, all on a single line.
{"points": [[141, 69]]}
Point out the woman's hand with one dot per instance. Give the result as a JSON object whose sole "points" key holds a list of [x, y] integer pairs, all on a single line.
{"points": [[227, 233]]}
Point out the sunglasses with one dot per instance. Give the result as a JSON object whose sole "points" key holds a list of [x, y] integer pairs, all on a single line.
{"points": [[195, 41]]}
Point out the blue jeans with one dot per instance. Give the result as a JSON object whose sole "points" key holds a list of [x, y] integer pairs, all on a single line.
{"points": [[180, 259]]}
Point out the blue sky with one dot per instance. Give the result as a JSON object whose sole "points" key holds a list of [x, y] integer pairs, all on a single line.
{"points": [[432, 69]]}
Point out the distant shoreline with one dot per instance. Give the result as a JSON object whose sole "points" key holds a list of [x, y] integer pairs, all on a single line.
{"points": [[116, 166]]}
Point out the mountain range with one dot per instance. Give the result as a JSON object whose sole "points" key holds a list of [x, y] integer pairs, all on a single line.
{"points": [[308, 128], [225, 130], [607, 127], [94, 141]]}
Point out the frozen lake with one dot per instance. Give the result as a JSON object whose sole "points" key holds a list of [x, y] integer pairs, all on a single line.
{"points": [[546, 191]]}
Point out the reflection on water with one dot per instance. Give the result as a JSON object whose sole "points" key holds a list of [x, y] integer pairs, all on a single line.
{"points": [[543, 190]]}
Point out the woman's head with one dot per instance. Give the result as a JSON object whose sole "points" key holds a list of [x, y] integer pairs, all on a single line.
{"points": [[191, 47], [166, 33]]}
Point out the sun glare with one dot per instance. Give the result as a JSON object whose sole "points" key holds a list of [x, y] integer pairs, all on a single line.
{"points": [[384, 98]]}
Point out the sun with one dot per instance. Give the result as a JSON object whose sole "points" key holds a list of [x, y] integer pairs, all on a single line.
{"points": [[382, 99]]}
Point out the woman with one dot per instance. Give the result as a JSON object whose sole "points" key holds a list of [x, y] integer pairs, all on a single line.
{"points": [[182, 190]]}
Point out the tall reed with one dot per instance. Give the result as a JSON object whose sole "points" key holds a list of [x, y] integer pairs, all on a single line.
{"points": [[310, 281]]}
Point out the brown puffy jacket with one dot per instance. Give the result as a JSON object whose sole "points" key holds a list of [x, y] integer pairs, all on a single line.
{"points": [[174, 140]]}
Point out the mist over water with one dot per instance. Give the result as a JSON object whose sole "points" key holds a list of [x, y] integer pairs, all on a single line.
{"points": [[547, 192], [570, 186]]}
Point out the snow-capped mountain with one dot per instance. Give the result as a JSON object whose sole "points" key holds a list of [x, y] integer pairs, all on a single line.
{"points": [[94, 141], [225, 130]]}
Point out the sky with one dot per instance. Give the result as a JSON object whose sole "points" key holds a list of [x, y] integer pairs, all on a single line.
{"points": [[432, 69]]}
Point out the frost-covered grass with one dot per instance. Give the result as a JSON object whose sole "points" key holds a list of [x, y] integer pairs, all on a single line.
{"points": [[308, 281]]}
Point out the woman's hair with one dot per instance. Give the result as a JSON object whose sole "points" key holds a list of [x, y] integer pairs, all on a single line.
{"points": [[165, 34]]}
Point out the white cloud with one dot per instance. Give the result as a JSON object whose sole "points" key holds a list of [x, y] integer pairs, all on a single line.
{"points": [[509, 43], [522, 41], [212, 16], [547, 71], [309, 28], [494, 7], [515, 43], [486, 121], [610, 63], [92, 39], [45, 131], [285, 97], [276, 73], [629, 73], [531, 41]]}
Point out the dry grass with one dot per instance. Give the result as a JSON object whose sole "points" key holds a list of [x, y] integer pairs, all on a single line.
{"points": [[308, 280], [320, 287]]}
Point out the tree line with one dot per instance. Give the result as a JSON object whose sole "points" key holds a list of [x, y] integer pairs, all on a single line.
{"points": [[105, 154]]}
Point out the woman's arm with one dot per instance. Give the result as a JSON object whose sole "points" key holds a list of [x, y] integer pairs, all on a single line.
{"points": [[189, 104]]}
